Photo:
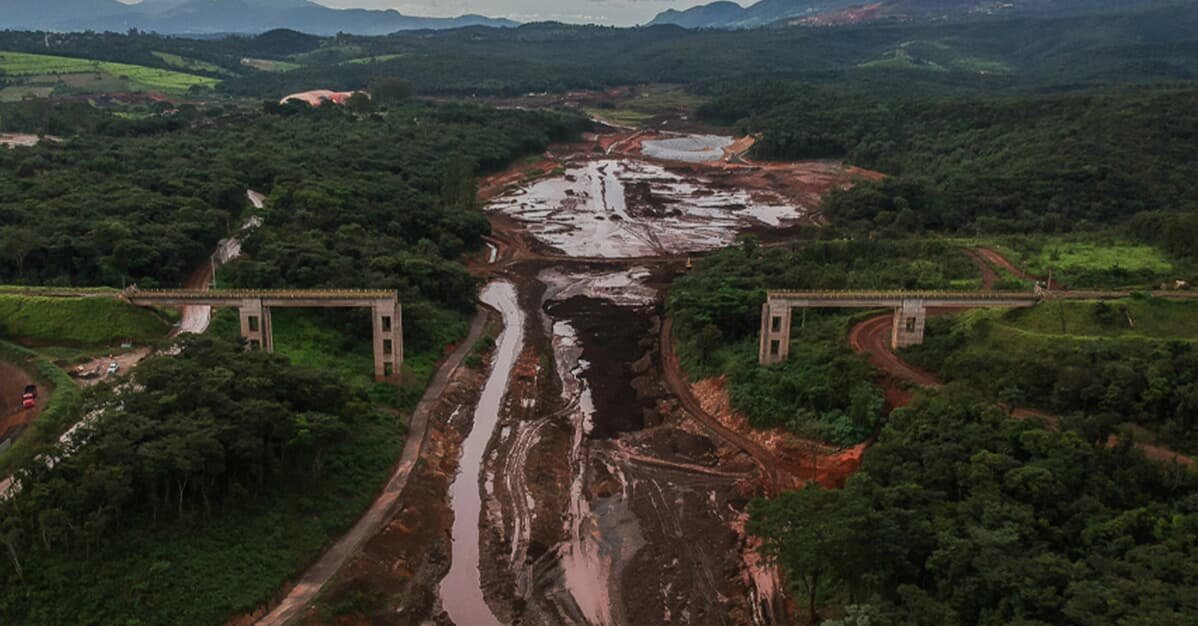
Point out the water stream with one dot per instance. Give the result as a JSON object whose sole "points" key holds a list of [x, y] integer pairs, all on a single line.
{"points": [[461, 591]]}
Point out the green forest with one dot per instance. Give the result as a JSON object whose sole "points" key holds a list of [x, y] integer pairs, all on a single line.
{"points": [[195, 498], [1045, 164], [1064, 141], [824, 390], [960, 515]]}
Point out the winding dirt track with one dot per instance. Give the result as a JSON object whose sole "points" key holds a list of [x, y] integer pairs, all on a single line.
{"points": [[872, 337], [12, 386], [388, 502], [676, 382], [993, 257], [989, 276]]}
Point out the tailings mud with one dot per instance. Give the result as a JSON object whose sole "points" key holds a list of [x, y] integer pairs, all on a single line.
{"points": [[606, 505]]}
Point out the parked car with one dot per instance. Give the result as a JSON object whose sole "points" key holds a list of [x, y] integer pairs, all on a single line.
{"points": [[29, 398], [113, 368]]}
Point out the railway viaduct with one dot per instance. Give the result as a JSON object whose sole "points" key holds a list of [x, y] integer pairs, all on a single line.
{"points": [[255, 306], [910, 311]]}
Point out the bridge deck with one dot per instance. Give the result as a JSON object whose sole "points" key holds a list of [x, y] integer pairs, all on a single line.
{"points": [[269, 297], [855, 299], [905, 294]]}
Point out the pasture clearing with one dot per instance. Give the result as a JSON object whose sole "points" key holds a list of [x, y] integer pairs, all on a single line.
{"points": [[42, 70]]}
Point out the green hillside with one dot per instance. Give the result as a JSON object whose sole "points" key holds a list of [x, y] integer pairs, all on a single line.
{"points": [[69, 73], [77, 321]]}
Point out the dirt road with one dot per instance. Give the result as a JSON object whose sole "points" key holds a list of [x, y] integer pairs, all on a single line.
{"points": [[997, 259], [676, 381], [989, 276], [13, 416], [872, 337]]}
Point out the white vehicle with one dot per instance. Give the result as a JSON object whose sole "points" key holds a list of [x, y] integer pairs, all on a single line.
{"points": [[113, 367]]}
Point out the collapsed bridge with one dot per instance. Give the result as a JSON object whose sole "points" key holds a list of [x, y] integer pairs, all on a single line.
{"points": [[910, 311], [254, 307]]}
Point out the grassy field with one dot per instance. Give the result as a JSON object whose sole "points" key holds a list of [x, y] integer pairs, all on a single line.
{"points": [[190, 65], [267, 65], [377, 59], [935, 56], [644, 103], [19, 93], [47, 70], [77, 321], [1080, 264], [901, 59], [1132, 318]]}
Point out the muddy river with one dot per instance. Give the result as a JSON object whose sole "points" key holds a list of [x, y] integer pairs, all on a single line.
{"points": [[586, 495], [460, 592]]}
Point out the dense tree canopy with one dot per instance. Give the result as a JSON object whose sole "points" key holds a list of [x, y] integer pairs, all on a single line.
{"points": [[961, 515], [352, 200], [1029, 164]]}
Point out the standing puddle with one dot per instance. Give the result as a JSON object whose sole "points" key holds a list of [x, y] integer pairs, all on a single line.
{"points": [[461, 590]]}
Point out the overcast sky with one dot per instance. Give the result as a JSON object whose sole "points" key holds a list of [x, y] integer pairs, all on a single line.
{"points": [[618, 12]]}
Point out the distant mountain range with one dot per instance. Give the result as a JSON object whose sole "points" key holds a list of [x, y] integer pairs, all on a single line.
{"points": [[218, 16], [729, 15]]}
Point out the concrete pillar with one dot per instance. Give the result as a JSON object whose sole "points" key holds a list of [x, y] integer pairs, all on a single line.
{"points": [[253, 327], [268, 332], [387, 320], [775, 332], [910, 320]]}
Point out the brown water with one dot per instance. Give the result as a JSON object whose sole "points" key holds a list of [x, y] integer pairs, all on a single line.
{"points": [[461, 592]]}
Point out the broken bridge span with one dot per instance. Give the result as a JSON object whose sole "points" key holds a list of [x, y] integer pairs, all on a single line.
{"points": [[254, 307], [910, 307]]}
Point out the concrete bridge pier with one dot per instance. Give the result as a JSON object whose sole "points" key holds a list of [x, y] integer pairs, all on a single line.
{"points": [[776, 319], [255, 325], [387, 319], [254, 307], [910, 320]]}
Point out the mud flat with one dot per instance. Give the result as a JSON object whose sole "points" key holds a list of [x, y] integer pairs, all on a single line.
{"points": [[619, 207], [611, 509]]}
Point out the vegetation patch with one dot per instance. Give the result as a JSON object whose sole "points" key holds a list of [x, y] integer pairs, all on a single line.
{"points": [[190, 64], [79, 321], [1081, 263], [375, 59], [962, 515], [643, 103], [244, 467], [270, 65], [63, 409], [1100, 365], [823, 390], [137, 77]]}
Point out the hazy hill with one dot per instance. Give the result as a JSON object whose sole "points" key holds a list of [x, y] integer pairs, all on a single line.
{"points": [[827, 12], [218, 16]]}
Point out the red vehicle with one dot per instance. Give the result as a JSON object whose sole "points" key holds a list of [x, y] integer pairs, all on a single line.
{"points": [[29, 399]]}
